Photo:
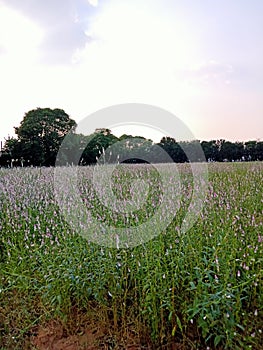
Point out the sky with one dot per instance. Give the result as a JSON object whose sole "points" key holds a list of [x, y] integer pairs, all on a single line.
{"points": [[201, 60]]}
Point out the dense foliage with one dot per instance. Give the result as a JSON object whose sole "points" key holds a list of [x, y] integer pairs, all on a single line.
{"points": [[39, 137], [42, 131], [203, 289]]}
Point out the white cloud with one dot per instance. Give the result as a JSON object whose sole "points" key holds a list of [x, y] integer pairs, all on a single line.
{"points": [[62, 22], [119, 52], [131, 58], [19, 37], [93, 2], [133, 41], [207, 73]]}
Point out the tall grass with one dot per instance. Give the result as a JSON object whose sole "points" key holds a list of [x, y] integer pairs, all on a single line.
{"points": [[201, 289]]}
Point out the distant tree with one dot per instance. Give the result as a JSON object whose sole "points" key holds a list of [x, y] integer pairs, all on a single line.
{"points": [[226, 151], [41, 133], [173, 149], [193, 150], [42, 130], [95, 146], [238, 151], [8, 152], [134, 149], [259, 150], [211, 150], [70, 151], [251, 150]]}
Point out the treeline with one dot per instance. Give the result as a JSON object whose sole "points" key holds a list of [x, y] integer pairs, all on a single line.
{"points": [[42, 131]]}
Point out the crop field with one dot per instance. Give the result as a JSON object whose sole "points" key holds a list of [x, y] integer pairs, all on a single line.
{"points": [[195, 289]]}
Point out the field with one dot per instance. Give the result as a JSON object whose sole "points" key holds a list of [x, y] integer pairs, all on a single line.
{"points": [[200, 289]]}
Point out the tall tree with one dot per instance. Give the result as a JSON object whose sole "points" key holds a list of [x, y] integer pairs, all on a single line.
{"points": [[41, 133]]}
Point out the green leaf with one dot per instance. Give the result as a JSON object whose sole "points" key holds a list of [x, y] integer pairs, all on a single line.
{"points": [[179, 323], [218, 339], [241, 327], [192, 286]]}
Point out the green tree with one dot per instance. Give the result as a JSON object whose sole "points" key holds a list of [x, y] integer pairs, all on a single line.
{"points": [[70, 152], [211, 150], [41, 133], [238, 151], [95, 146], [226, 150], [193, 150], [134, 149], [173, 149], [259, 149], [250, 150]]}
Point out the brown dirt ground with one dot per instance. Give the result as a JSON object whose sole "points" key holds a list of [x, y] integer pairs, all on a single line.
{"points": [[53, 336]]}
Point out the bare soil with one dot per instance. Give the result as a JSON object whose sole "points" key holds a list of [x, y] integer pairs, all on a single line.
{"points": [[54, 336]]}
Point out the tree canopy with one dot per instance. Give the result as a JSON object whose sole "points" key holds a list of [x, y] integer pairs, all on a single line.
{"points": [[39, 136], [42, 130]]}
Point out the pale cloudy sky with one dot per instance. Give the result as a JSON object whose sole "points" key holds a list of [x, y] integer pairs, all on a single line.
{"points": [[201, 60]]}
